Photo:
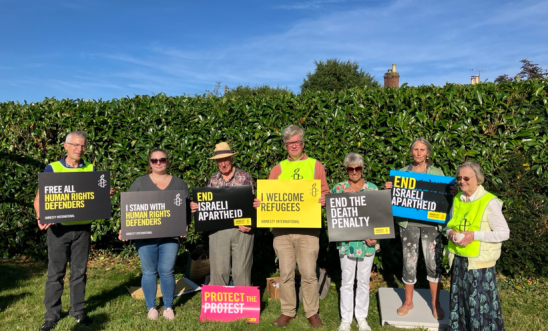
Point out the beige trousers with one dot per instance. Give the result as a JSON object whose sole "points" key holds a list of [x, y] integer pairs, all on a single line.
{"points": [[298, 247], [226, 246]]}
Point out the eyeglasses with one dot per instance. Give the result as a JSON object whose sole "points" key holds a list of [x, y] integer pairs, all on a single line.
{"points": [[466, 179], [78, 145], [160, 161], [298, 142], [357, 169]]}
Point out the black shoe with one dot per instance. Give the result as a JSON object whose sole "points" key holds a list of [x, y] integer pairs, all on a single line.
{"points": [[48, 325], [82, 319]]}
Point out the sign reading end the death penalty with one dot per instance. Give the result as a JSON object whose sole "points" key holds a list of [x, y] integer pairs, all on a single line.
{"points": [[359, 216], [223, 207], [420, 196], [289, 204], [74, 196], [153, 214]]}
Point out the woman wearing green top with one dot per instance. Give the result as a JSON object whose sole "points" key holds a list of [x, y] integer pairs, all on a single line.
{"points": [[412, 231], [355, 254]]}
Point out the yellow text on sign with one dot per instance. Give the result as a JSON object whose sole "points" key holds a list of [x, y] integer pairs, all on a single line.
{"points": [[242, 221], [405, 182], [289, 204], [381, 230], [436, 216]]}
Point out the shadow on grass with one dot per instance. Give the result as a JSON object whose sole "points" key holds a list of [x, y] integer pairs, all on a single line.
{"points": [[100, 300], [182, 299], [100, 322], [8, 300], [13, 274]]}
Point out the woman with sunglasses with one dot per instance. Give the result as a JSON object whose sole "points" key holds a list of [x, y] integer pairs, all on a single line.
{"points": [[413, 231], [476, 231], [158, 255], [356, 256]]}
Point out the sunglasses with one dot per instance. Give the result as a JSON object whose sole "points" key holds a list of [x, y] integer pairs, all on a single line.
{"points": [[466, 179], [156, 161], [357, 169]]}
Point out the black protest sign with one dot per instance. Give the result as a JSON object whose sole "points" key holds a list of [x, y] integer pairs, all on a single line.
{"points": [[74, 196], [359, 216], [153, 214], [421, 197], [224, 207]]}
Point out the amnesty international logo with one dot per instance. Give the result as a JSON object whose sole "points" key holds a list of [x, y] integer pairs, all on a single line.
{"points": [[178, 201], [102, 181], [296, 174], [314, 191]]}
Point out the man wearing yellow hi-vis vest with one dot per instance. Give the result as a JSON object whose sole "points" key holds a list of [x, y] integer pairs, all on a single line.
{"points": [[298, 245], [476, 231], [67, 242]]}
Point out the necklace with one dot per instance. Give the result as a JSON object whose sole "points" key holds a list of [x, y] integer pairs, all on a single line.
{"points": [[156, 183]]}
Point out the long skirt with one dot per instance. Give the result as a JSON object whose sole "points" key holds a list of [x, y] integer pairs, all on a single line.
{"points": [[475, 301]]}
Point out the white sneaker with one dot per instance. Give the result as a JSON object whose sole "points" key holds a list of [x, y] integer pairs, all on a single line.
{"points": [[363, 326], [345, 326], [152, 314]]}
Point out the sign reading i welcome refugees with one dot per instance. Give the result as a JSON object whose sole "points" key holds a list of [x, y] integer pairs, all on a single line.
{"points": [[154, 214], [74, 196], [229, 303], [289, 204], [359, 216], [420, 196], [223, 207]]}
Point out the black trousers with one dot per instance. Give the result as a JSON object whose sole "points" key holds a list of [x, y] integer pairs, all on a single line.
{"points": [[66, 243]]}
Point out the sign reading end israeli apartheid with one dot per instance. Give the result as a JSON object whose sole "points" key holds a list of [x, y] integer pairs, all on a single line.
{"points": [[359, 216], [223, 207], [289, 204], [153, 214], [230, 303], [74, 196], [420, 196]]}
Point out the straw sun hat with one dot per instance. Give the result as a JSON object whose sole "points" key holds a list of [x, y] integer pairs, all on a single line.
{"points": [[222, 150]]}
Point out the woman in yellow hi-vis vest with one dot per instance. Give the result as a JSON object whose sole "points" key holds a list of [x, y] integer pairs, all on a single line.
{"points": [[476, 230]]}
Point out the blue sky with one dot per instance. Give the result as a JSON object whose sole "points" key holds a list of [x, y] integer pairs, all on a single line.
{"points": [[111, 49]]}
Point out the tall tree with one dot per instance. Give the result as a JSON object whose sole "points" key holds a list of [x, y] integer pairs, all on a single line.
{"points": [[529, 70], [334, 75]]}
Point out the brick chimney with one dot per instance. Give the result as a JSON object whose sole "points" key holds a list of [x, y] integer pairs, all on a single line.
{"points": [[391, 77]]}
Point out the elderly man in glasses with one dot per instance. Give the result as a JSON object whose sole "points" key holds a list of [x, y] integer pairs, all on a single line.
{"points": [[68, 241], [298, 246]]}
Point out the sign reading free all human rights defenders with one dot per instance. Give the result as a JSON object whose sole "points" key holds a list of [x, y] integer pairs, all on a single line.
{"points": [[223, 207], [359, 216], [420, 196], [230, 303], [74, 196], [289, 204], [153, 214]]}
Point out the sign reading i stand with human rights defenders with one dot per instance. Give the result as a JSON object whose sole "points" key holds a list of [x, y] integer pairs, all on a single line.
{"points": [[153, 214], [359, 216], [74, 196], [223, 207], [289, 204], [420, 196]]}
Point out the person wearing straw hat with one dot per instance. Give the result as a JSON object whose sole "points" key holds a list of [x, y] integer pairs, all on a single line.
{"points": [[235, 242]]}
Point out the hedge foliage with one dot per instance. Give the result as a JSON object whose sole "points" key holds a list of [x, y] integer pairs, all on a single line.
{"points": [[488, 123]]}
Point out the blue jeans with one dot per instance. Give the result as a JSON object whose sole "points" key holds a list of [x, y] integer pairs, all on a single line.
{"points": [[158, 258]]}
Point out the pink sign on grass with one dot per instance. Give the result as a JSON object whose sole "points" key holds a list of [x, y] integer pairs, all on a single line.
{"points": [[229, 303]]}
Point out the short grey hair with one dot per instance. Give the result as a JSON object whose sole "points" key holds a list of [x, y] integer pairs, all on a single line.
{"points": [[77, 133], [353, 159], [292, 130], [477, 170], [424, 142]]}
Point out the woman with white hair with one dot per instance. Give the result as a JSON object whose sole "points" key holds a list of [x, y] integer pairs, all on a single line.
{"points": [[476, 231], [356, 256], [413, 231]]}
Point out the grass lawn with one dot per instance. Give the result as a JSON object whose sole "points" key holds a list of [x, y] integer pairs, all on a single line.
{"points": [[108, 304]]}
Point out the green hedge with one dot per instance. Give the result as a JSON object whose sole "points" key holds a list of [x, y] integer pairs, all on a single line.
{"points": [[487, 123]]}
